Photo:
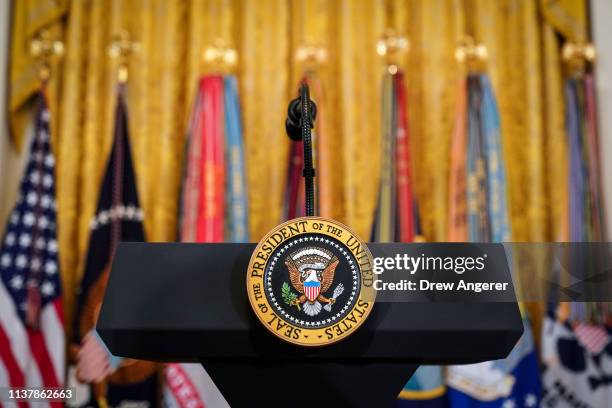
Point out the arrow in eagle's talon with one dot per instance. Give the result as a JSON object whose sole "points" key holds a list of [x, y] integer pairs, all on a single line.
{"points": [[337, 292]]}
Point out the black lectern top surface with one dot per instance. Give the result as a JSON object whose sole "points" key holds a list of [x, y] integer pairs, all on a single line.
{"points": [[187, 302]]}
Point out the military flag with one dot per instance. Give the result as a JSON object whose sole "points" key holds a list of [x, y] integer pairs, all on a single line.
{"points": [[396, 212], [425, 389], [586, 210], [294, 192], [576, 342], [213, 207], [510, 382], [118, 217], [457, 230], [32, 340], [478, 213], [427, 386], [396, 216]]}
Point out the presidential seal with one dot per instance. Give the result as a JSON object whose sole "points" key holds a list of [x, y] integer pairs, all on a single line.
{"points": [[310, 281]]}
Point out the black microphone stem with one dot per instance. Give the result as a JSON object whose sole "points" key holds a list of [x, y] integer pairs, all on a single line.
{"points": [[309, 171], [301, 115]]}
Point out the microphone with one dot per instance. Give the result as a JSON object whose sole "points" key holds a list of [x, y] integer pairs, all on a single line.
{"points": [[293, 124], [301, 114]]}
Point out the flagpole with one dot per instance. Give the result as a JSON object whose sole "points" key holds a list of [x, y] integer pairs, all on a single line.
{"points": [[299, 129]]}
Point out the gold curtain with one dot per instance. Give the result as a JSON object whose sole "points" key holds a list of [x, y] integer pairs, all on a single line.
{"points": [[524, 64], [28, 18]]}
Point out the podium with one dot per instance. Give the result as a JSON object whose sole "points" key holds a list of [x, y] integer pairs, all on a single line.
{"points": [[178, 302]]}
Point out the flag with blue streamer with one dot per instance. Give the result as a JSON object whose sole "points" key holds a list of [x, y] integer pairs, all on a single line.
{"points": [[514, 381], [237, 223]]}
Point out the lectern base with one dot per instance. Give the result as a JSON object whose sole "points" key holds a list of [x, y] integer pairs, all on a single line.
{"points": [[308, 384]]}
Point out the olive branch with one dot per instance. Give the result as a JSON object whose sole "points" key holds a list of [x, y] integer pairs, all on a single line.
{"points": [[288, 295]]}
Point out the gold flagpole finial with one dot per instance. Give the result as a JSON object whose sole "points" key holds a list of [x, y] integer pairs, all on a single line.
{"points": [[391, 46], [473, 54], [577, 56], [43, 49], [121, 47], [311, 56], [220, 57]]}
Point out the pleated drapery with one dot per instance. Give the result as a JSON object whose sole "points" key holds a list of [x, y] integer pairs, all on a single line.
{"points": [[522, 39]]}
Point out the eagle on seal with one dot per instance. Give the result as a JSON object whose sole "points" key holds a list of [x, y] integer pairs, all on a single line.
{"points": [[311, 272]]}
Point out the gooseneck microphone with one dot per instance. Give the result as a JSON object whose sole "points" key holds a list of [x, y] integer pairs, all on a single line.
{"points": [[301, 115]]}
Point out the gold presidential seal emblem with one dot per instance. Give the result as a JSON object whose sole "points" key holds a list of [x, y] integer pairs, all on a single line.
{"points": [[310, 281]]}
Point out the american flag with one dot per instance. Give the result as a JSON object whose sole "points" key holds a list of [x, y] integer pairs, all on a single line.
{"points": [[32, 340], [594, 338]]}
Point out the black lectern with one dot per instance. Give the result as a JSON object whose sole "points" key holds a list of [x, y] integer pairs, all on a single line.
{"points": [[188, 303]]}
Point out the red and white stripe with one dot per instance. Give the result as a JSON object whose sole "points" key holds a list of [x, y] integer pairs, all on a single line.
{"points": [[312, 292], [190, 386], [594, 338], [31, 358]]}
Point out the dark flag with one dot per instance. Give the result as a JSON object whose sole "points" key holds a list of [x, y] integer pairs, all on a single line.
{"points": [[118, 217]]}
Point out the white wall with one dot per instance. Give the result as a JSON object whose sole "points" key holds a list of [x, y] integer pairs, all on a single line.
{"points": [[4, 142], [601, 15]]}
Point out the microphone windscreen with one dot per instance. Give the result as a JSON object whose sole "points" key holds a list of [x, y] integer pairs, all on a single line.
{"points": [[293, 124]]}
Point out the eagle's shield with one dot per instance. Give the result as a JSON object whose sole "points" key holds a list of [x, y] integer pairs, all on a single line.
{"points": [[312, 290]]}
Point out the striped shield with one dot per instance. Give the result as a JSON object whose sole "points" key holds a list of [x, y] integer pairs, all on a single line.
{"points": [[312, 290]]}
